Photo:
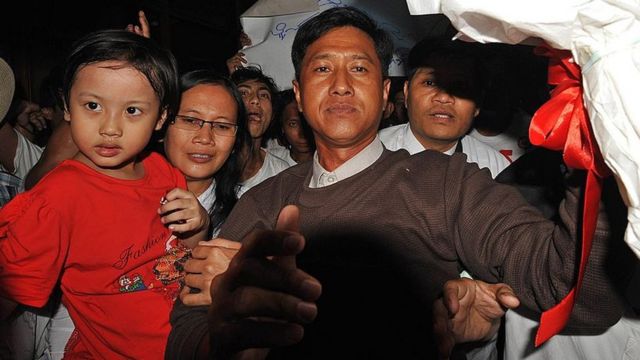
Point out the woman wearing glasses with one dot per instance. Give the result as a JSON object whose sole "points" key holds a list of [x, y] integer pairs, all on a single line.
{"points": [[204, 141]]}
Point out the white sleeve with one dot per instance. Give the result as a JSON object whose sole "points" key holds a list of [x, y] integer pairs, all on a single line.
{"points": [[27, 155]]}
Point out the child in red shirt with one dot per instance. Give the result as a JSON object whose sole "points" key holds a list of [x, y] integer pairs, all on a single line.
{"points": [[112, 225]]}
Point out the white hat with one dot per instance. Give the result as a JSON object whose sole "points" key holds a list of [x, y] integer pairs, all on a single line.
{"points": [[7, 87]]}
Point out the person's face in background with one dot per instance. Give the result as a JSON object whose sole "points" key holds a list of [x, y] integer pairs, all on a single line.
{"points": [[112, 110], [293, 131], [258, 101], [437, 118], [400, 110], [341, 90], [200, 154]]}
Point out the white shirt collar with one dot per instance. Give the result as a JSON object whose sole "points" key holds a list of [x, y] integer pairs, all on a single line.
{"points": [[413, 145], [410, 141], [361, 161], [452, 149]]}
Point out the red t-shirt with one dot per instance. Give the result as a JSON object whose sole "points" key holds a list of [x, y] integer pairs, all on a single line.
{"points": [[102, 238]]}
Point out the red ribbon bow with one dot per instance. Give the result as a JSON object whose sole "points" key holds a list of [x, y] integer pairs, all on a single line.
{"points": [[563, 124]]}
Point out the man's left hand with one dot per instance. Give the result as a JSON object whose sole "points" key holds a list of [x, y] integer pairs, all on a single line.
{"points": [[469, 310]]}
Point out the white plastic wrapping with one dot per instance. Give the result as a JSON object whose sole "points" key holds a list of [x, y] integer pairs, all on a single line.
{"points": [[604, 37], [606, 44]]}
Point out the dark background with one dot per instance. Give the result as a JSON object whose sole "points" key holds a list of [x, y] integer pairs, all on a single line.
{"points": [[36, 35]]}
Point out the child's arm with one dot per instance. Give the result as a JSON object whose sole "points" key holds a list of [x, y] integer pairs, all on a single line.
{"points": [[182, 213], [60, 147]]}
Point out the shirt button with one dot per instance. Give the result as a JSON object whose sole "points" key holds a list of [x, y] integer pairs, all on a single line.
{"points": [[331, 179]]}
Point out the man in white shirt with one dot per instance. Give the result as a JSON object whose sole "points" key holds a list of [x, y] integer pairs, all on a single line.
{"points": [[512, 141], [443, 94], [17, 154]]}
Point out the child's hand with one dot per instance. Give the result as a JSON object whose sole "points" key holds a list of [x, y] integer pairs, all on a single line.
{"points": [[182, 212]]}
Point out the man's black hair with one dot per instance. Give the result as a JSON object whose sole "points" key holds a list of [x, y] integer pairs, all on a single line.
{"points": [[337, 17], [249, 73], [458, 67]]}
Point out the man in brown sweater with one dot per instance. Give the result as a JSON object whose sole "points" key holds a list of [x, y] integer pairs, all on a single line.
{"points": [[383, 230]]}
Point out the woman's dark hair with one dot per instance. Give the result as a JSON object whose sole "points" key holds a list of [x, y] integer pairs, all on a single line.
{"points": [[156, 64], [228, 176], [337, 17], [287, 97]]}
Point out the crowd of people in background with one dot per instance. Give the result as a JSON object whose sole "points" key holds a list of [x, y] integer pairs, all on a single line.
{"points": [[150, 214]]}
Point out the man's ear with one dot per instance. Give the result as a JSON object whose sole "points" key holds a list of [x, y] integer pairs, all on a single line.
{"points": [[296, 92], [386, 87], [405, 90], [388, 110], [476, 113], [161, 120]]}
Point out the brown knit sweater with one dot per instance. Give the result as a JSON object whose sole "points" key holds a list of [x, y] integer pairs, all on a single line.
{"points": [[395, 232]]}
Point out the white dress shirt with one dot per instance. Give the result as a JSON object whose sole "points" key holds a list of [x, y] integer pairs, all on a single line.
{"points": [[271, 166], [365, 158], [401, 137]]}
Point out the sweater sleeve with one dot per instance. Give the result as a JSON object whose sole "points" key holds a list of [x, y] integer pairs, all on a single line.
{"points": [[500, 238], [34, 241], [189, 326], [248, 214]]}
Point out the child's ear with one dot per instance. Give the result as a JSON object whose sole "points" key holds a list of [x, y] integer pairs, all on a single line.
{"points": [[163, 118], [65, 109]]}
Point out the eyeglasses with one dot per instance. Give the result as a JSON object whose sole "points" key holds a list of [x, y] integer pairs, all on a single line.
{"points": [[190, 123]]}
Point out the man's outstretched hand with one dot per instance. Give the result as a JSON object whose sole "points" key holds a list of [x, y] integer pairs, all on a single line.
{"points": [[469, 310], [263, 299]]}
